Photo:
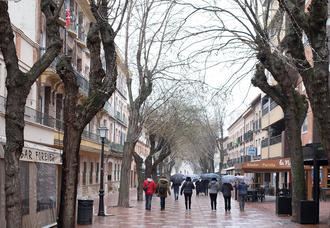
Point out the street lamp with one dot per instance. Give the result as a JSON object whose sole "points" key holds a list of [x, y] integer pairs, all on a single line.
{"points": [[103, 132]]}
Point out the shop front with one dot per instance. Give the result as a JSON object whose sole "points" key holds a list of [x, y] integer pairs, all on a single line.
{"points": [[40, 182], [271, 174]]}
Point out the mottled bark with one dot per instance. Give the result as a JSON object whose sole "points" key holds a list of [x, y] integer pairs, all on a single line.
{"points": [[77, 116], [139, 161], [294, 106], [18, 86], [315, 72], [123, 199]]}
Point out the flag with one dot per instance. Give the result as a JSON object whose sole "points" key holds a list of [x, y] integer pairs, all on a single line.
{"points": [[67, 18]]}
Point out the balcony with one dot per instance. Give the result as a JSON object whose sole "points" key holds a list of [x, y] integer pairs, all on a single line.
{"points": [[272, 147], [116, 147], [82, 82], [120, 118], [248, 136], [34, 116], [273, 116]]}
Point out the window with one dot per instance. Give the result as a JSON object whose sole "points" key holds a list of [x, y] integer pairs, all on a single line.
{"points": [[79, 65], [91, 173], [118, 172], [115, 173], [46, 186], [304, 127], [24, 180], [84, 174], [97, 172]]}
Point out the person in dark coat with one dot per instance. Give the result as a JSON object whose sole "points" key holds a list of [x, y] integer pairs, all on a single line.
{"points": [[187, 188], [176, 188], [163, 188], [198, 186], [226, 189]]}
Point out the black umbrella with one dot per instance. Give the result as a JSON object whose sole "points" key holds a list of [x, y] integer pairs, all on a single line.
{"points": [[177, 178], [209, 176]]}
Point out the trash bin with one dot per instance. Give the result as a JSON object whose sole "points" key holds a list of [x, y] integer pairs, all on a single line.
{"points": [[308, 213], [85, 212], [283, 205]]}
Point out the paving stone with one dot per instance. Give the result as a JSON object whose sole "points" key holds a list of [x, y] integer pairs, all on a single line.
{"points": [[256, 215]]}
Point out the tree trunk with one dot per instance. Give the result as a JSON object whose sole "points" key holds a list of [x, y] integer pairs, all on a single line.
{"points": [[70, 170], [123, 198], [13, 149], [148, 165], [139, 161], [293, 135]]}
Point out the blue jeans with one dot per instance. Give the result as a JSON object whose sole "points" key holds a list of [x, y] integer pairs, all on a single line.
{"points": [[148, 201], [176, 193], [162, 203], [242, 202]]}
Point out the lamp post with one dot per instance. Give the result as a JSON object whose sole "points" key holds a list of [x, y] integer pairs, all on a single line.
{"points": [[103, 132]]}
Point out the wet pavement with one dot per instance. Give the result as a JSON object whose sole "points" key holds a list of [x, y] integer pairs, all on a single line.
{"points": [[256, 214]]}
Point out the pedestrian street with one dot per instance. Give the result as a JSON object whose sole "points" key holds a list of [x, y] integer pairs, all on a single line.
{"points": [[256, 214]]}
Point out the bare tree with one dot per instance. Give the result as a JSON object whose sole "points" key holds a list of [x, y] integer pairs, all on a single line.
{"points": [[18, 86], [311, 26], [253, 35], [152, 19], [102, 84]]}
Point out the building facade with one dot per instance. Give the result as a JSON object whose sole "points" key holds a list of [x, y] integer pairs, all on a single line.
{"points": [[41, 158]]}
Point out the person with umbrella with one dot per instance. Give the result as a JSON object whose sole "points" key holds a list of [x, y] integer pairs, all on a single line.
{"points": [[176, 187], [187, 188], [226, 189], [214, 187]]}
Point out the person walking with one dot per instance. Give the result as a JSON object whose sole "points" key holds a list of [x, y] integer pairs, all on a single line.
{"points": [[176, 188], [214, 188], [163, 187], [242, 192], [226, 189], [187, 188], [149, 187]]}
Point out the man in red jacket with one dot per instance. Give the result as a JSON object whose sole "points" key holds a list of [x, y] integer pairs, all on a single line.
{"points": [[149, 188]]}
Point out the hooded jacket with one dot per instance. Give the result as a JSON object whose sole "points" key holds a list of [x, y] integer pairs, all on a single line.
{"points": [[151, 186], [163, 183], [214, 187]]}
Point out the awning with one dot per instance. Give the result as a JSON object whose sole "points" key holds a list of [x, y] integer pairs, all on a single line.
{"points": [[230, 168], [33, 152], [269, 165]]}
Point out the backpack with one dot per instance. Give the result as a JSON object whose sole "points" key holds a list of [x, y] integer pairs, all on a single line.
{"points": [[145, 188], [162, 188], [243, 189]]}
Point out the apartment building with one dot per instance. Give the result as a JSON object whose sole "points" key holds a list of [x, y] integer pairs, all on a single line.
{"points": [[40, 178], [244, 138]]}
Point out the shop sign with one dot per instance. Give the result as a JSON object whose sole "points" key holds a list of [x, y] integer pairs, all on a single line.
{"points": [[252, 151], [36, 155], [272, 164]]}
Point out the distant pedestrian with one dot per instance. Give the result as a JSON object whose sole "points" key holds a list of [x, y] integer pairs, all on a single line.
{"points": [[187, 188], [242, 192], [205, 185], [226, 189], [214, 188], [149, 187], [176, 188], [163, 187], [198, 186]]}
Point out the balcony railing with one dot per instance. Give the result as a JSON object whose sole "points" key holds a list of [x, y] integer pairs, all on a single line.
{"points": [[275, 139], [272, 141], [272, 105], [82, 82], [117, 147]]}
